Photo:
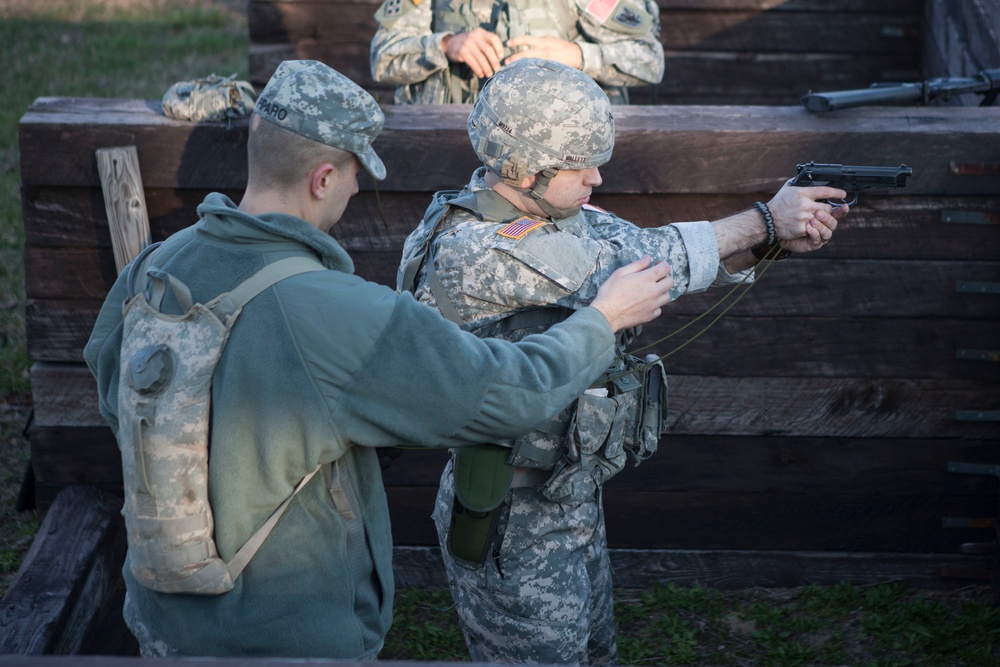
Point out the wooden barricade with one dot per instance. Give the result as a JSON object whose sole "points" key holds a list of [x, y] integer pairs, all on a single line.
{"points": [[811, 428], [717, 51]]}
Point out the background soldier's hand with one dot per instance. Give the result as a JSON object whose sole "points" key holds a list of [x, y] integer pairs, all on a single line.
{"points": [[801, 221], [480, 49], [550, 48], [634, 294]]}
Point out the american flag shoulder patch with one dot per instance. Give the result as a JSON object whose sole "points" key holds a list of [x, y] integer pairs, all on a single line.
{"points": [[601, 9], [519, 228]]}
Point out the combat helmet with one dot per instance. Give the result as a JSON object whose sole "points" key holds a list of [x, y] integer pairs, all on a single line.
{"points": [[538, 116]]}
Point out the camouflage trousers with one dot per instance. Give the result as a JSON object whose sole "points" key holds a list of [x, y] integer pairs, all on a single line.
{"points": [[546, 594]]}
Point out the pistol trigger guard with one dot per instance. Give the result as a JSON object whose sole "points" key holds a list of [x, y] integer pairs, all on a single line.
{"points": [[840, 202]]}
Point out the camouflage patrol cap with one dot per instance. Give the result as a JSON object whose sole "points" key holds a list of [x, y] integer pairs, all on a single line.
{"points": [[319, 103], [539, 114]]}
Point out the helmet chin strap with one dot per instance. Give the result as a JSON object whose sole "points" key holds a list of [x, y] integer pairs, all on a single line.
{"points": [[537, 193]]}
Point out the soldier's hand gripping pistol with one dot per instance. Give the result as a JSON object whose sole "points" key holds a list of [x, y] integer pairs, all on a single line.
{"points": [[851, 179]]}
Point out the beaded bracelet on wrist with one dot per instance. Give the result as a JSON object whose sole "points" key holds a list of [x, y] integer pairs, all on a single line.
{"points": [[765, 213]]}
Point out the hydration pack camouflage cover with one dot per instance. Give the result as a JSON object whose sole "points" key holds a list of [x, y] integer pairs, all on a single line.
{"points": [[167, 363], [214, 98]]}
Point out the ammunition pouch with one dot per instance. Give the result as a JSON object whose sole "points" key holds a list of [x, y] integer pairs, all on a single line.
{"points": [[621, 421]]}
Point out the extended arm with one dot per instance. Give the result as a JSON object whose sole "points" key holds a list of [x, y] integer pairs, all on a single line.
{"points": [[802, 223]]}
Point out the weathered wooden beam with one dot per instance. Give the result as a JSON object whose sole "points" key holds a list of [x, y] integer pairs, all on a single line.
{"points": [[416, 566], [72, 568], [124, 202], [65, 395], [664, 149]]}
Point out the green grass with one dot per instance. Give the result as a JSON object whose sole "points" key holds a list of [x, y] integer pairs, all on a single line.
{"points": [[91, 49], [80, 48], [886, 625]]}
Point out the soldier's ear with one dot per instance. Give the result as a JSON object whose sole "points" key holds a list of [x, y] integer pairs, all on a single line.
{"points": [[528, 182]]}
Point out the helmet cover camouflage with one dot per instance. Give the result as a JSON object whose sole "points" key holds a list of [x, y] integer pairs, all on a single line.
{"points": [[539, 114], [214, 98], [313, 100]]}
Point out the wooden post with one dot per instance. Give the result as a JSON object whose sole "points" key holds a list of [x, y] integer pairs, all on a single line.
{"points": [[124, 201]]}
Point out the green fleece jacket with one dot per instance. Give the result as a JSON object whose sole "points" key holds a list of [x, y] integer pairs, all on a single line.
{"points": [[321, 368]]}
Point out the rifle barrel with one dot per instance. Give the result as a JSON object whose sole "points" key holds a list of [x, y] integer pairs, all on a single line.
{"points": [[845, 99]]}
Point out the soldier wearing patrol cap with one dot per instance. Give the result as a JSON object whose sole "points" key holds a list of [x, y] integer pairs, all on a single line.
{"points": [[440, 51], [520, 521], [319, 370]]}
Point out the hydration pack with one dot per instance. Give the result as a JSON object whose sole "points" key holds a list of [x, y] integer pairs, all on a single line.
{"points": [[164, 396]]}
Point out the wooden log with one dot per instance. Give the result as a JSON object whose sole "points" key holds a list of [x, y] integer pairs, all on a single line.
{"points": [[707, 491], [724, 149], [748, 341], [59, 592], [65, 395], [730, 52], [813, 521], [419, 566], [124, 201]]}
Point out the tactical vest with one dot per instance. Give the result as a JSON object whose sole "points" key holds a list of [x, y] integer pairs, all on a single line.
{"points": [[619, 419], [515, 18], [167, 363]]}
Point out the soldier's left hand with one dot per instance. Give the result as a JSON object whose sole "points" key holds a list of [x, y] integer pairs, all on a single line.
{"points": [[803, 220], [549, 48]]}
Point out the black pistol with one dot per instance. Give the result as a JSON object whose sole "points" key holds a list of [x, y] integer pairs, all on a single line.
{"points": [[850, 178]]}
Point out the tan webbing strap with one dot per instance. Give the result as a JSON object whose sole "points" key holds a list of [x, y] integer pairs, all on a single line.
{"points": [[271, 274], [248, 550]]}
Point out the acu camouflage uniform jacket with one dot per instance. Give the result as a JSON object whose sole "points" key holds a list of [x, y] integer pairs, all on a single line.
{"points": [[619, 40], [492, 261]]}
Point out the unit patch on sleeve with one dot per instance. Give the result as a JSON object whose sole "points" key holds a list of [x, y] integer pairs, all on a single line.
{"points": [[391, 10], [628, 17], [601, 9], [518, 229]]}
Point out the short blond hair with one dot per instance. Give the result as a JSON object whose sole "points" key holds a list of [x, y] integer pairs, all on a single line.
{"points": [[278, 158]]}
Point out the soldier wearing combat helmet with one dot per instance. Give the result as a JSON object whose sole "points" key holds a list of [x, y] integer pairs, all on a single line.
{"points": [[519, 248], [441, 51], [298, 398]]}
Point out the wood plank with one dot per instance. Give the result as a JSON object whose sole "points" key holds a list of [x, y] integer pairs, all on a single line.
{"points": [[815, 521], [124, 202], [70, 568], [72, 217], [742, 343], [781, 31], [353, 25], [702, 464], [65, 395], [907, 227], [744, 150], [421, 566]]}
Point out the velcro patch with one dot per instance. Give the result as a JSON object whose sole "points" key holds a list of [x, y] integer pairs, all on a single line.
{"points": [[519, 228], [628, 17], [601, 9]]}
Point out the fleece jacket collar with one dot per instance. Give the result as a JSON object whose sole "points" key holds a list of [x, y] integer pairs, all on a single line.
{"points": [[221, 217]]}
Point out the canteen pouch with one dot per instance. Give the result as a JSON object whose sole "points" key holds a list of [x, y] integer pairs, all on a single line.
{"points": [[482, 479]]}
